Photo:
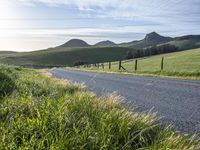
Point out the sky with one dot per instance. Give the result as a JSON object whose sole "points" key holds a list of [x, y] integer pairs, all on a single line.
{"points": [[27, 25]]}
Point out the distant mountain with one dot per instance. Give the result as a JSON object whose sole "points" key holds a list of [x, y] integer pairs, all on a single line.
{"points": [[105, 44], [67, 56], [75, 43], [154, 38], [186, 42], [150, 39], [188, 37]]}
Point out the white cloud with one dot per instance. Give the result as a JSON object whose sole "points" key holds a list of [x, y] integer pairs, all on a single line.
{"points": [[79, 3], [130, 9]]}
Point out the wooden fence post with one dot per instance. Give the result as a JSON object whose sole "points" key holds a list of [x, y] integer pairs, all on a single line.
{"points": [[162, 63], [136, 62], [120, 64], [109, 65], [102, 65]]}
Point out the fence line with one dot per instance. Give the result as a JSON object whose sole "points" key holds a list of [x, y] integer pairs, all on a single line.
{"points": [[120, 64]]}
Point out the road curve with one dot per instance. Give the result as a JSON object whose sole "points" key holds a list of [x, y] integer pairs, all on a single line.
{"points": [[176, 101]]}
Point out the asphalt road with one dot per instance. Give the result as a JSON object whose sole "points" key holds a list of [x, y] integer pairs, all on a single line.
{"points": [[176, 101]]}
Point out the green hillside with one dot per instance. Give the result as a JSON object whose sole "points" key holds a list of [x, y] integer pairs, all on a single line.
{"points": [[153, 39], [67, 56], [186, 43], [6, 53], [179, 43], [150, 39], [185, 63]]}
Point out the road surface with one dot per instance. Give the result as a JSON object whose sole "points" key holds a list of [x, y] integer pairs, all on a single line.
{"points": [[176, 101]]}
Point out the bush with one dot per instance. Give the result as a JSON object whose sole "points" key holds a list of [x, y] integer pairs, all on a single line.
{"points": [[80, 63], [129, 55], [6, 85]]}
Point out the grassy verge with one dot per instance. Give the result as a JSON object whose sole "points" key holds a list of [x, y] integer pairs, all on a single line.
{"points": [[40, 112], [185, 64]]}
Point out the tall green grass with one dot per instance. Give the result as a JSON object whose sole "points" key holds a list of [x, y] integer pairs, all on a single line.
{"points": [[6, 86], [45, 113]]}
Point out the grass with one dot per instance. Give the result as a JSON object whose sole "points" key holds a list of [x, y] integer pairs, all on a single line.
{"points": [[40, 112], [179, 64], [65, 56], [6, 85]]}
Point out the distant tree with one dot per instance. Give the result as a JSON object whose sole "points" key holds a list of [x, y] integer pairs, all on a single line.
{"points": [[153, 50], [129, 55], [138, 53], [166, 48], [79, 63]]}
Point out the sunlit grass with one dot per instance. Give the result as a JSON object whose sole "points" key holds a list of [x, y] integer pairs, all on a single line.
{"points": [[179, 64], [43, 113]]}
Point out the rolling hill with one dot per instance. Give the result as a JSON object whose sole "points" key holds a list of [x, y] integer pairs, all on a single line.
{"points": [[67, 56], [77, 50], [106, 44], [150, 39], [6, 53], [154, 39], [75, 43], [186, 42]]}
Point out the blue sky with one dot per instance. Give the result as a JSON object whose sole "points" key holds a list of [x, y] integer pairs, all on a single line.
{"points": [[37, 24]]}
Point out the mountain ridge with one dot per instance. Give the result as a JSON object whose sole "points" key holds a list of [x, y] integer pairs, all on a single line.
{"points": [[150, 39], [106, 43], [75, 43]]}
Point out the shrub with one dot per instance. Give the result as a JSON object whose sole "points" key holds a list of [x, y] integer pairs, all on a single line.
{"points": [[129, 55], [6, 85], [79, 63]]}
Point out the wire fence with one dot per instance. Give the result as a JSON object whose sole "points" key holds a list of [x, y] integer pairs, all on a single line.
{"points": [[130, 65]]}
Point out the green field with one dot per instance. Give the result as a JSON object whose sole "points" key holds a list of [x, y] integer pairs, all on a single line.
{"points": [[66, 56], [40, 112], [185, 63]]}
